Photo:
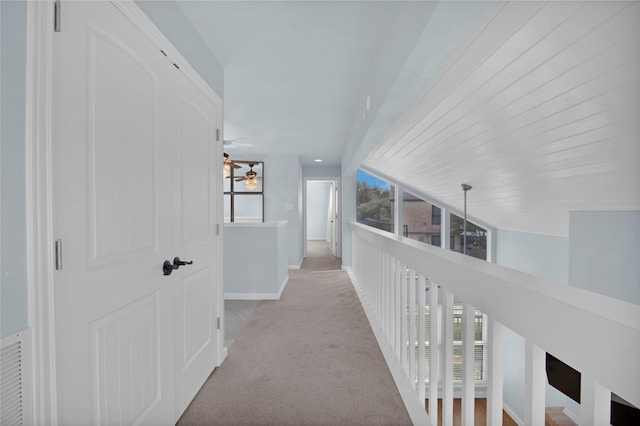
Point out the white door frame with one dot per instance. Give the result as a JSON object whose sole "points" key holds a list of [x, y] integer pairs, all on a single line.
{"points": [[38, 147], [338, 221]]}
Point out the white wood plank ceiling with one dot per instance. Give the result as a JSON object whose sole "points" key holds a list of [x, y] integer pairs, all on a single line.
{"points": [[539, 111]]}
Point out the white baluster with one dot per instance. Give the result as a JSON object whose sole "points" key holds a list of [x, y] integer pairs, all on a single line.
{"points": [[534, 382], [434, 352], [468, 366], [422, 303], [595, 402], [447, 354], [404, 332], [398, 311], [494, 373], [412, 327]]}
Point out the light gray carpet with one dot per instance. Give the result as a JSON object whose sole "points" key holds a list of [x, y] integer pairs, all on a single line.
{"points": [[308, 358], [236, 315], [320, 258]]}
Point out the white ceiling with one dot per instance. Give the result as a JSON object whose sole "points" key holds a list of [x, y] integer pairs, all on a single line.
{"points": [[535, 104], [539, 112], [296, 73]]}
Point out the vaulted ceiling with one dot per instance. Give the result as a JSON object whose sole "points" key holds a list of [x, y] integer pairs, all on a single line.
{"points": [[539, 111], [535, 104]]}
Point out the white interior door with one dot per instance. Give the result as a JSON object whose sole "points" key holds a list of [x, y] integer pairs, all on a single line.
{"points": [[194, 229], [335, 218], [331, 219], [128, 136]]}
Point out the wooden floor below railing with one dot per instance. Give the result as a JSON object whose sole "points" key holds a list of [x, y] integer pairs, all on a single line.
{"points": [[480, 413]]}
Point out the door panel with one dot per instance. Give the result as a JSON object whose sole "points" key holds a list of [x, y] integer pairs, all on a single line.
{"points": [[123, 94], [125, 347], [134, 183], [194, 229], [196, 316], [196, 148]]}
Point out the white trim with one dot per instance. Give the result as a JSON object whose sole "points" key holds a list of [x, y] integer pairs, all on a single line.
{"points": [[251, 296], [38, 153], [258, 296], [414, 407], [571, 414], [297, 266], [274, 224], [513, 415], [338, 220]]}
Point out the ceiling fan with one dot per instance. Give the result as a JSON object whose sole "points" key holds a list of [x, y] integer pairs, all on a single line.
{"points": [[250, 179], [228, 164]]}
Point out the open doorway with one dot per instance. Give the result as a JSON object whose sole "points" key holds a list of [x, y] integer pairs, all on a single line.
{"points": [[322, 214]]}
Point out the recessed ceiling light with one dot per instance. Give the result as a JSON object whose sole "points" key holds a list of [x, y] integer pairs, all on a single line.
{"points": [[317, 160]]}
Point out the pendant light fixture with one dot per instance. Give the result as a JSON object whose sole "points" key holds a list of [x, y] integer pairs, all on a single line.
{"points": [[465, 188], [251, 180]]}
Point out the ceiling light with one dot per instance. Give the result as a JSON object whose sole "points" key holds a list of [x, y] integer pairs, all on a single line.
{"points": [[251, 183], [317, 160]]}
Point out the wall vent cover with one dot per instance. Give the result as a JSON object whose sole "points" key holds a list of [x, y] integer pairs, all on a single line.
{"points": [[12, 383]]}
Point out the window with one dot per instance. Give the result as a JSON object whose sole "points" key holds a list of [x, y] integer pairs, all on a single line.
{"points": [[479, 358], [435, 215], [374, 201], [476, 238], [244, 192], [418, 220]]}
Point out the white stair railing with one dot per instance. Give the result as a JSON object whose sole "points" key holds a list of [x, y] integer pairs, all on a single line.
{"points": [[396, 279]]}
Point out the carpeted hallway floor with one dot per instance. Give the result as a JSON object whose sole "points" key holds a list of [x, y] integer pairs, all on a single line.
{"points": [[308, 358], [320, 258]]}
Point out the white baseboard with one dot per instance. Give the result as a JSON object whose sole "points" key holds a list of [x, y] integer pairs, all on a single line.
{"points": [[297, 266], [512, 414], [258, 296], [414, 407], [571, 414], [225, 353], [284, 284]]}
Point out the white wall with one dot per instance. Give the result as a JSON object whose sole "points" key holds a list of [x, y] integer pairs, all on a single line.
{"points": [[283, 199], [320, 171], [13, 249], [544, 256], [604, 253], [318, 195], [255, 259], [172, 22]]}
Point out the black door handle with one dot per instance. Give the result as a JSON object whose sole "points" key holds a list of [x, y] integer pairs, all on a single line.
{"points": [[178, 263], [168, 267]]}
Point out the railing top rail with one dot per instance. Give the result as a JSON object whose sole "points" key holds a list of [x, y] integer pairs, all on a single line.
{"points": [[589, 331]]}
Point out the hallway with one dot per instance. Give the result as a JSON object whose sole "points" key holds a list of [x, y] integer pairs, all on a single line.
{"points": [[308, 358], [320, 258]]}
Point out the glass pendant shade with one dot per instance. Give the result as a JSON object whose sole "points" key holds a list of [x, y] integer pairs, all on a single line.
{"points": [[251, 183]]}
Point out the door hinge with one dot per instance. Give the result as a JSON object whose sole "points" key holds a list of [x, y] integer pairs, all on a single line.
{"points": [[58, 250], [57, 10], [218, 323], [217, 135]]}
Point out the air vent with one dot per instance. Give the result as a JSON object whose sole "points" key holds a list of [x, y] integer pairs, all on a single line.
{"points": [[11, 384]]}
